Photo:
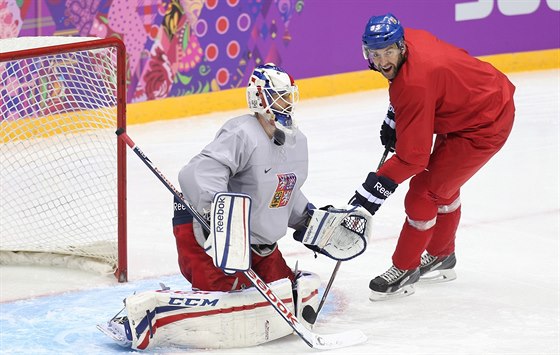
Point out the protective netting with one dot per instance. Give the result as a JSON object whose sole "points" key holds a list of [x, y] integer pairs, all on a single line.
{"points": [[58, 156]]}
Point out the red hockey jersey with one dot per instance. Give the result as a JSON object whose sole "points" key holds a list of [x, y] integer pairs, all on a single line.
{"points": [[441, 89]]}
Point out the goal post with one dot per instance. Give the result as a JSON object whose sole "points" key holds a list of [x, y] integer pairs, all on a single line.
{"points": [[62, 168]]}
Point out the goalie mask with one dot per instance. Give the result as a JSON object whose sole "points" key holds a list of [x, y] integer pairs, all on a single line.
{"points": [[272, 93]]}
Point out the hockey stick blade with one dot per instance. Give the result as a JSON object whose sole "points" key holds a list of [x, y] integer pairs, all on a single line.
{"points": [[309, 314], [331, 341], [338, 340]]}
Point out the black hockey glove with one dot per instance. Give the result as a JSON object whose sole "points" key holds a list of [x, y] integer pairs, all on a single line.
{"points": [[373, 192], [387, 133], [181, 214]]}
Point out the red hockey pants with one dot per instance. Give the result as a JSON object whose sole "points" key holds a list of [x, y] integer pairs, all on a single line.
{"points": [[454, 160], [197, 266]]}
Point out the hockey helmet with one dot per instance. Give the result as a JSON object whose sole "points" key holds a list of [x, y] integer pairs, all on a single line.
{"points": [[381, 32], [273, 93]]}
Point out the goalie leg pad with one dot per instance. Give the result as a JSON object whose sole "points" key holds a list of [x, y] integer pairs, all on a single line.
{"points": [[197, 319]]}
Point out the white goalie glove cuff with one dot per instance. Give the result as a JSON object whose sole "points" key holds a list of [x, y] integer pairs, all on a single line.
{"points": [[339, 233]]}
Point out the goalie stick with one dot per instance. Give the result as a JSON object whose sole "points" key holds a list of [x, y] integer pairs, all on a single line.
{"points": [[322, 342], [308, 313]]}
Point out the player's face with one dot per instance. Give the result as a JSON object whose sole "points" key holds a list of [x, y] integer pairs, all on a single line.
{"points": [[387, 60]]}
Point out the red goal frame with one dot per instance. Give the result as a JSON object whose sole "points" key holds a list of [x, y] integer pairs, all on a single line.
{"points": [[121, 272]]}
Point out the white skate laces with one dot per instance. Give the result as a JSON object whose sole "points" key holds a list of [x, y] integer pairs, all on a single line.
{"points": [[434, 269], [426, 260], [392, 274]]}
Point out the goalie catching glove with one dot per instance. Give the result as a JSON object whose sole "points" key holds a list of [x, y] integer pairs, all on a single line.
{"points": [[339, 233]]}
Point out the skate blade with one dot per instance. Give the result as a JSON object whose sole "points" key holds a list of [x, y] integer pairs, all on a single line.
{"points": [[438, 276], [403, 292], [117, 337]]}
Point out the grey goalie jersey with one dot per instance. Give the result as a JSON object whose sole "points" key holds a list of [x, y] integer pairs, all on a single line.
{"points": [[242, 158]]}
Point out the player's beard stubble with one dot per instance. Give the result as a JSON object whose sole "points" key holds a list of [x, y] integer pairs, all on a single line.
{"points": [[390, 70]]}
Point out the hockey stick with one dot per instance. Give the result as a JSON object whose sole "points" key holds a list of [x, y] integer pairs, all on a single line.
{"points": [[308, 313], [323, 342]]}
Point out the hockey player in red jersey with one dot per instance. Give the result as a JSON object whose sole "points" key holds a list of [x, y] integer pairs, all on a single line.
{"points": [[434, 89]]}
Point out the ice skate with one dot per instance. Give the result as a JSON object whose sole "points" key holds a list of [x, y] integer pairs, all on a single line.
{"points": [[393, 283], [118, 330], [437, 269]]}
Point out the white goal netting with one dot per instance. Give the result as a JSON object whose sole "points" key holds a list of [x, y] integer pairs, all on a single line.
{"points": [[58, 155]]}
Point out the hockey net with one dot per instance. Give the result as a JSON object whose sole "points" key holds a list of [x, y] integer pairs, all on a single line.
{"points": [[62, 169]]}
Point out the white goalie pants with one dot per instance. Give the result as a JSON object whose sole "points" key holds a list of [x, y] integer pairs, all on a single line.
{"points": [[198, 319]]}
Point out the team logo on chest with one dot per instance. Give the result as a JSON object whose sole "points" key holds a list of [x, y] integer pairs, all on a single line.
{"points": [[284, 189]]}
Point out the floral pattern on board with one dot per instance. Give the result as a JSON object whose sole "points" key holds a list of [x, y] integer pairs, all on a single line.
{"points": [[174, 47]]}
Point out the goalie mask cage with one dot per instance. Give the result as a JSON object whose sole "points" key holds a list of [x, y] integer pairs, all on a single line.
{"points": [[62, 168]]}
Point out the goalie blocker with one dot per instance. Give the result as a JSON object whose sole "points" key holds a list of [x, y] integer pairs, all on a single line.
{"points": [[229, 243], [220, 320]]}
